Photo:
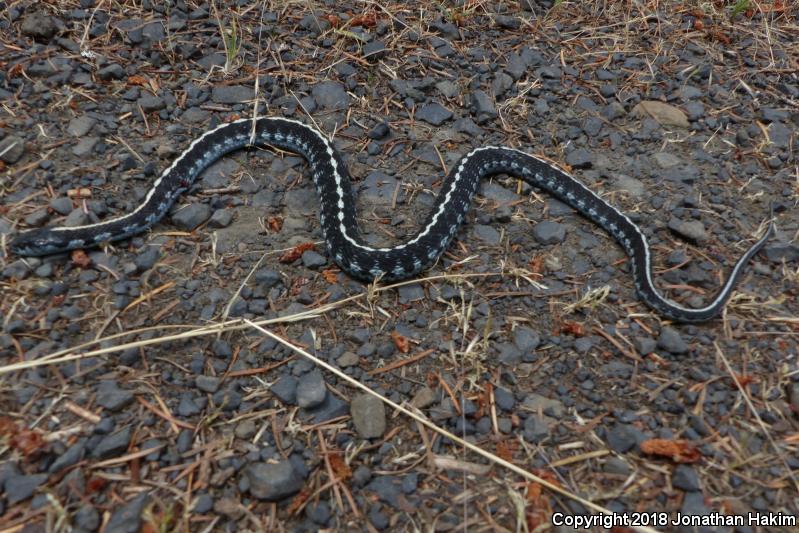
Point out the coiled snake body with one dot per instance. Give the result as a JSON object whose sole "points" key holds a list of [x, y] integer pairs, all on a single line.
{"points": [[338, 216]]}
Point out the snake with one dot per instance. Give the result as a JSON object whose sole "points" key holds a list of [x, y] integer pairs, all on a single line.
{"points": [[338, 216]]}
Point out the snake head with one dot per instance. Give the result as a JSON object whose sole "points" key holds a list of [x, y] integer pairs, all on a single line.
{"points": [[37, 242]]}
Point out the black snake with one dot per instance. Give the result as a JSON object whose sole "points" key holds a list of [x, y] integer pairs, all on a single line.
{"points": [[338, 216]]}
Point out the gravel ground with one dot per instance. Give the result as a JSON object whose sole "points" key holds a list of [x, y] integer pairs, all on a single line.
{"points": [[526, 339]]}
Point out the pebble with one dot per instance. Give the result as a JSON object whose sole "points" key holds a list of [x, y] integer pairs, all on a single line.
{"points": [[411, 293], [86, 518], [127, 518], [424, 397], [113, 71], [209, 384], [549, 232], [85, 146], [311, 390], [20, 488], [113, 445], [779, 252], [221, 218], [39, 25], [671, 341], [580, 158], [231, 94], [623, 438], [504, 399], [330, 95], [191, 216], [313, 260], [448, 88], [483, 107], [644, 345], [434, 113], [285, 389], [487, 234], [348, 359], [111, 397], [535, 429], [80, 126], [368, 416], [272, 481], [374, 49], [692, 230], [11, 149], [684, 477], [379, 131], [535, 402], [149, 103]]}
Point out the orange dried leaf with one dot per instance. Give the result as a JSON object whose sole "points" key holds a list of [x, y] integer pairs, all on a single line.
{"points": [[679, 450], [275, 223], [573, 328], [136, 79], [296, 252], [368, 20], [333, 20], [536, 264], [79, 258], [28, 442], [401, 341], [299, 500], [504, 451], [330, 275], [94, 485], [340, 468]]}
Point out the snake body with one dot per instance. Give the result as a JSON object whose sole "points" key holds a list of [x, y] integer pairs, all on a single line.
{"points": [[338, 215]]}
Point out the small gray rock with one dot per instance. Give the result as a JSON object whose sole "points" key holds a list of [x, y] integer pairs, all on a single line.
{"points": [[87, 518], [685, 478], [113, 444], [85, 146], [644, 345], [671, 341], [311, 390], [127, 518], [313, 260], [549, 232], [487, 234], [623, 437], [232, 94], [111, 397], [434, 113], [190, 217], [208, 384], [536, 429], [221, 218], [580, 158], [779, 252], [11, 149], [113, 71], [448, 89], [19, 488], [483, 107], [80, 126], [149, 104], [374, 49], [330, 95], [195, 115], [348, 359], [272, 481], [39, 25], [368, 416], [285, 389], [692, 230], [526, 339]]}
